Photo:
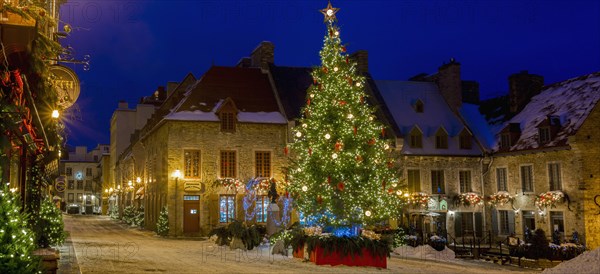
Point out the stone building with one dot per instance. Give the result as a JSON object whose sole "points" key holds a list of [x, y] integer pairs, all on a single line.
{"points": [[217, 133], [546, 158]]}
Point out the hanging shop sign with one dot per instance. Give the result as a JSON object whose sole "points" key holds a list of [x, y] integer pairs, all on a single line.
{"points": [[60, 184], [193, 186], [66, 83]]}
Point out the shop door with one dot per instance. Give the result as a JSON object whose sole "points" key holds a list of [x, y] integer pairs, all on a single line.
{"points": [[191, 214]]}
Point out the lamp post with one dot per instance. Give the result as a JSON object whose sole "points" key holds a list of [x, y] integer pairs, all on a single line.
{"points": [[176, 175]]}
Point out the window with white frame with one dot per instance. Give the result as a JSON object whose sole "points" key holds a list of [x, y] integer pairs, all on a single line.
{"points": [[554, 176], [464, 177], [527, 178], [262, 205], [501, 178]]}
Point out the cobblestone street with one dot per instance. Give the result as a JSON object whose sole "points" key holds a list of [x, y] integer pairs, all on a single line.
{"points": [[105, 246]]}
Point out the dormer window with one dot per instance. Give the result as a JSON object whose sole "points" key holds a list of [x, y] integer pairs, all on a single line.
{"points": [[544, 134], [465, 139], [227, 121], [416, 138], [419, 107], [505, 141], [441, 139], [227, 113]]}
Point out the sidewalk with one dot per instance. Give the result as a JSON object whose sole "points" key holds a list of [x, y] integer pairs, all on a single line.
{"points": [[68, 258]]}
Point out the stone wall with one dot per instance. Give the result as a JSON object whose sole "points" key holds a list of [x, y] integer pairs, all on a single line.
{"points": [[570, 169], [208, 138], [586, 148]]}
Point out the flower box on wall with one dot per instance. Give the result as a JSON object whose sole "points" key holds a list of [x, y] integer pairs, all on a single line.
{"points": [[320, 257]]}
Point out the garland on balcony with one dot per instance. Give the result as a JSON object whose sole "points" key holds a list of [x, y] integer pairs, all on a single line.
{"points": [[500, 198], [551, 199], [418, 199], [468, 199]]}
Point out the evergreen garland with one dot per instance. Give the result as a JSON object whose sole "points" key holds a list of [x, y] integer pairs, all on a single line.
{"points": [[49, 226], [162, 226], [16, 240]]}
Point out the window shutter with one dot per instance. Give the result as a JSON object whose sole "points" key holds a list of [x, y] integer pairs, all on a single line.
{"points": [[511, 222], [458, 224], [478, 224], [495, 221]]}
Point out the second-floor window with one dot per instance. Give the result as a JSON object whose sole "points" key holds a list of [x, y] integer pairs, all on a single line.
{"points": [[554, 176], [262, 160], [71, 184], [464, 177], [438, 186], [79, 184], [501, 179], [527, 178], [88, 171], [191, 159], [228, 164], [69, 171], [414, 180], [88, 185]]}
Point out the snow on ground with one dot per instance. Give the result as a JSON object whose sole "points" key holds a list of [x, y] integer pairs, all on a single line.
{"points": [[425, 252], [588, 262], [104, 246]]}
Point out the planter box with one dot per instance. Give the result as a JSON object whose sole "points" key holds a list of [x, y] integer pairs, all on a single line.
{"points": [[299, 252], [49, 258], [319, 257]]}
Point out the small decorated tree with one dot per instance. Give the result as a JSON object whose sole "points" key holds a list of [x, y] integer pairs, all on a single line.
{"points": [[16, 240], [49, 226], [162, 226]]}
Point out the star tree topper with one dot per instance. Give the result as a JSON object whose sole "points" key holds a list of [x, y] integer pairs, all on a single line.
{"points": [[329, 12]]}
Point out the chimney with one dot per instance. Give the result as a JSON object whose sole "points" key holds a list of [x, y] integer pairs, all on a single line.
{"points": [[171, 87], [449, 84], [245, 62], [361, 57], [123, 105], [263, 55], [521, 88]]}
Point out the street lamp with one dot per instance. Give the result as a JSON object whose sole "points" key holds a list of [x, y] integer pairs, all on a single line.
{"points": [[55, 114], [138, 180]]}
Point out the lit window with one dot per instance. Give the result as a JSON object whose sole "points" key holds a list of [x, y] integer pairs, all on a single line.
{"points": [[226, 208], [262, 205], [191, 159], [263, 164], [228, 164]]}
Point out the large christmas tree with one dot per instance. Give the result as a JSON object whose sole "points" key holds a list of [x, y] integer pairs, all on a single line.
{"points": [[341, 172]]}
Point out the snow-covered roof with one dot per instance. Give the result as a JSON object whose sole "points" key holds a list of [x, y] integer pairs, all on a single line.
{"points": [[477, 124], [401, 97], [248, 89], [570, 100]]}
